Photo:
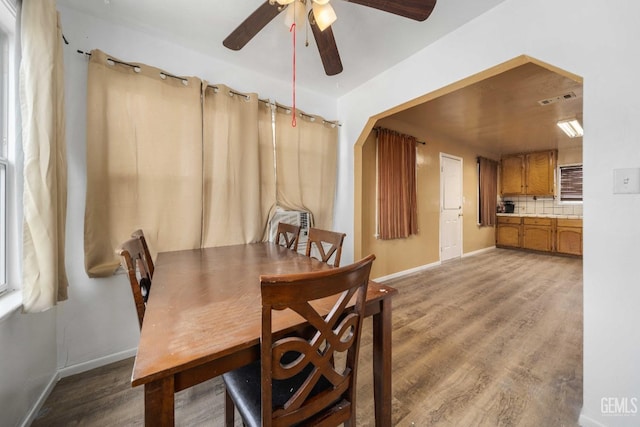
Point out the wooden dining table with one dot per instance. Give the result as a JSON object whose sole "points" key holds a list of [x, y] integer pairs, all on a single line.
{"points": [[203, 319]]}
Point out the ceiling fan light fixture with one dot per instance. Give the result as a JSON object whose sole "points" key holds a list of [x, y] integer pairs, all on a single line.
{"points": [[571, 127], [284, 2], [321, 2], [324, 15], [295, 12]]}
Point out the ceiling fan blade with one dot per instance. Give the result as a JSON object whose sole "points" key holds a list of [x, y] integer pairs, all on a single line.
{"points": [[252, 25], [418, 10], [327, 47]]}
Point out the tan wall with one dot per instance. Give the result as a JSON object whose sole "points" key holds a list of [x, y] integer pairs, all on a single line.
{"points": [[570, 156], [393, 256]]}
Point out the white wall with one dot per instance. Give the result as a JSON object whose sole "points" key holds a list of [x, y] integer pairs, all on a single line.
{"points": [[599, 41], [28, 363]]}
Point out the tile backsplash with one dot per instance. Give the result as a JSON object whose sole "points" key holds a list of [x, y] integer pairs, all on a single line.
{"points": [[543, 206]]}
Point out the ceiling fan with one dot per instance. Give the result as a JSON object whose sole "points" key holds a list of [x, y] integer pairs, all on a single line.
{"points": [[320, 17]]}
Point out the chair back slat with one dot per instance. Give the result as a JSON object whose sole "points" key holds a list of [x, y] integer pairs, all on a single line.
{"points": [[319, 369], [288, 235], [133, 261], [327, 244], [148, 260]]}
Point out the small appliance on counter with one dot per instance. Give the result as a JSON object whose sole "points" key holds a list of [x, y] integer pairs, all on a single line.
{"points": [[509, 206]]}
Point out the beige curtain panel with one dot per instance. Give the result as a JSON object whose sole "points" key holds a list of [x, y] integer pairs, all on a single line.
{"points": [[487, 191], [144, 157], [235, 210], [193, 165], [306, 162], [44, 278], [397, 204], [268, 176]]}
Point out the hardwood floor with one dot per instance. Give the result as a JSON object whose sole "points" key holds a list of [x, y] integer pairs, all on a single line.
{"points": [[489, 340]]}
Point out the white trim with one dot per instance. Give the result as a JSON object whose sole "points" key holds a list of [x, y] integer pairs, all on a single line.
{"points": [[427, 266], [407, 272], [9, 24], [10, 302], [585, 421], [33, 413], [478, 252], [96, 363], [72, 370]]}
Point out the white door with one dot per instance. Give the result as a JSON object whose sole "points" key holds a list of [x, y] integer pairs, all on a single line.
{"points": [[450, 207]]}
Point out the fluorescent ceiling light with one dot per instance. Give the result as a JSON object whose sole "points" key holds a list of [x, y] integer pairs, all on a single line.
{"points": [[571, 127]]}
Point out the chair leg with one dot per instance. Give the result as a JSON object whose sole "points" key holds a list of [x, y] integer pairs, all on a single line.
{"points": [[229, 409]]}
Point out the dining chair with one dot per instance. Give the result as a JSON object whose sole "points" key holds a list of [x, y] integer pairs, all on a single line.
{"points": [[132, 259], [300, 380], [288, 235], [326, 243], [139, 234]]}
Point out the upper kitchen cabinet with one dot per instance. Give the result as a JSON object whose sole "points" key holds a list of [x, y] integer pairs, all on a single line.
{"points": [[530, 174], [512, 175]]}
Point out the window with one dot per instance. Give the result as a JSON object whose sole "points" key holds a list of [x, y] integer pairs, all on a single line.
{"points": [[3, 225], [7, 117], [571, 183]]}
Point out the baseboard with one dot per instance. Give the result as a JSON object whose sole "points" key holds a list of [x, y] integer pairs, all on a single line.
{"points": [[478, 252], [585, 421], [96, 363], [31, 416], [407, 272], [427, 266], [72, 370]]}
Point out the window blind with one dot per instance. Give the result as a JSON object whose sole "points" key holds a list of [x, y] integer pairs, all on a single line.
{"points": [[571, 183]]}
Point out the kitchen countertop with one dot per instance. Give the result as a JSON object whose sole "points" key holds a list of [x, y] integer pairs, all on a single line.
{"points": [[540, 215]]}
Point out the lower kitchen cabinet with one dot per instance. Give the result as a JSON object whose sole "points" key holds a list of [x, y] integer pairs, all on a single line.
{"points": [[537, 234], [542, 234], [508, 231], [569, 236]]}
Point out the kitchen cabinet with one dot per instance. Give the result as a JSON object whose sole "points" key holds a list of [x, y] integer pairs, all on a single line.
{"points": [[508, 231], [569, 236], [512, 175], [541, 234], [537, 234], [529, 174]]}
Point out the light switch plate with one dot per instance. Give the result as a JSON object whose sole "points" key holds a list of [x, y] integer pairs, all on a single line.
{"points": [[626, 181]]}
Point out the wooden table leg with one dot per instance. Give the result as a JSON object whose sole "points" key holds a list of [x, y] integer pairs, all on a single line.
{"points": [[159, 403], [382, 363]]}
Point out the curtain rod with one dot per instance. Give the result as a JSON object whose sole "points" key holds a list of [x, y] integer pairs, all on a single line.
{"points": [[136, 68], [377, 128], [309, 116], [216, 88]]}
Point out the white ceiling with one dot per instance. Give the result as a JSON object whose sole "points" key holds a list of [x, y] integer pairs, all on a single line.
{"points": [[369, 41]]}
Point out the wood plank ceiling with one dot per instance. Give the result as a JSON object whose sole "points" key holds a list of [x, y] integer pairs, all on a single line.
{"points": [[502, 113]]}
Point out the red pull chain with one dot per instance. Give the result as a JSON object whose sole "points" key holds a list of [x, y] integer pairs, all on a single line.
{"points": [[293, 30]]}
